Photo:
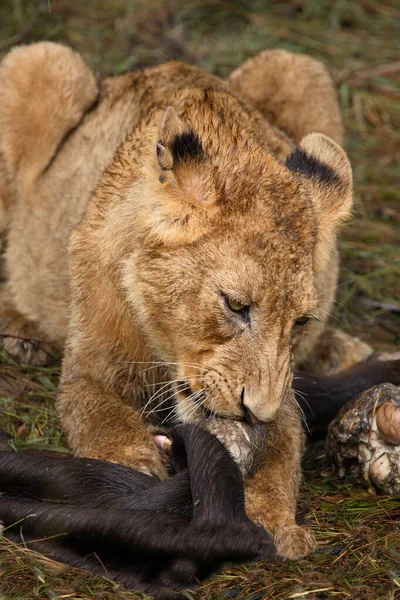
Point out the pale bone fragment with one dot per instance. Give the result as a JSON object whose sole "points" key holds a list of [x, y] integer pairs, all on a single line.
{"points": [[388, 422]]}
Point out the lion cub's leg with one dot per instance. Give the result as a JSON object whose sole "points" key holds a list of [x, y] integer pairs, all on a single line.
{"points": [[20, 337], [272, 491], [99, 424], [336, 351]]}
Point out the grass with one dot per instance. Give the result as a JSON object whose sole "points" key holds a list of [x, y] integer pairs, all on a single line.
{"points": [[359, 534]]}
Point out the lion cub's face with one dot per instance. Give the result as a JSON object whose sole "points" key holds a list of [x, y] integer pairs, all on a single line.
{"points": [[225, 289], [228, 312]]}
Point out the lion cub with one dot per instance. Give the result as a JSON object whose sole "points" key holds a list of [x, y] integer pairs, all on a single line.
{"points": [[201, 259]]}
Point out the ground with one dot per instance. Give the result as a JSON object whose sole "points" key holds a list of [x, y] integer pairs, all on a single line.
{"points": [[358, 532]]}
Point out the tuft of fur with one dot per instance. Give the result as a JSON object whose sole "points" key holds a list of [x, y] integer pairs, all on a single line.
{"points": [[187, 146]]}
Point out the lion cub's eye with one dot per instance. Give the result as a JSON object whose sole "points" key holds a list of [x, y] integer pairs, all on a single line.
{"points": [[234, 305], [241, 309], [303, 321]]}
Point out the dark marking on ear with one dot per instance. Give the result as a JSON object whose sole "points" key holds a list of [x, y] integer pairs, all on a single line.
{"points": [[162, 179], [187, 146], [305, 164]]}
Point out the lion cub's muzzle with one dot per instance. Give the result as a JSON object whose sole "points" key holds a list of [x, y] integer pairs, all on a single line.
{"points": [[213, 394], [261, 403], [249, 416]]}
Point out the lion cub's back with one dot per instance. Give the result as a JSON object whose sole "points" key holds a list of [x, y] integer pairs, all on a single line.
{"points": [[46, 213]]}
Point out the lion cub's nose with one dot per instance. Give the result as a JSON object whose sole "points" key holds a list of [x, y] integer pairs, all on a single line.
{"points": [[248, 415]]}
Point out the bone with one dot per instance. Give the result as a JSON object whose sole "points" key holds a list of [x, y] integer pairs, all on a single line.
{"points": [[388, 422], [246, 444], [380, 469]]}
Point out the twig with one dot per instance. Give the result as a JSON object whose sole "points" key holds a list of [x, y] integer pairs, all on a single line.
{"points": [[386, 90], [379, 71], [30, 340], [360, 75], [383, 305], [37, 344]]}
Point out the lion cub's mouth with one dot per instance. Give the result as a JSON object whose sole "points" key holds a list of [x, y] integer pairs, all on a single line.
{"points": [[198, 398], [186, 390]]}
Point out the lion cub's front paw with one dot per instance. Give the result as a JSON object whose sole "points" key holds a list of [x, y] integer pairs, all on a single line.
{"points": [[151, 464], [294, 541], [146, 459]]}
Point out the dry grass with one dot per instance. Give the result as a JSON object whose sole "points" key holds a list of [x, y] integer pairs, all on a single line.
{"points": [[359, 534]]}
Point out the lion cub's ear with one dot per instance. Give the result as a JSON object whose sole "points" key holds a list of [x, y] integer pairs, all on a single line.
{"points": [[181, 181], [177, 142], [327, 172]]}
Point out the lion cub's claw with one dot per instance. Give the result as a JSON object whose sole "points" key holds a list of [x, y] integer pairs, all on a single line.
{"points": [[294, 541]]}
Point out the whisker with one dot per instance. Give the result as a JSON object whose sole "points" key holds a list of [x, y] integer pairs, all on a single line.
{"points": [[163, 401], [334, 287], [187, 400], [156, 394], [161, 390], [157, 364], [193, 398], [195, 407], [188, 379], [303, 416], [331, 316], [303, 396]]}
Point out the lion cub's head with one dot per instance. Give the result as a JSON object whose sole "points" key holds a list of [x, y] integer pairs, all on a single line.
{"points": [[224, 245]]}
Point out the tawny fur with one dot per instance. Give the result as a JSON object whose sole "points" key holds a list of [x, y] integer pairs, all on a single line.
{"points": [[158, 239], [293, 91]]}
